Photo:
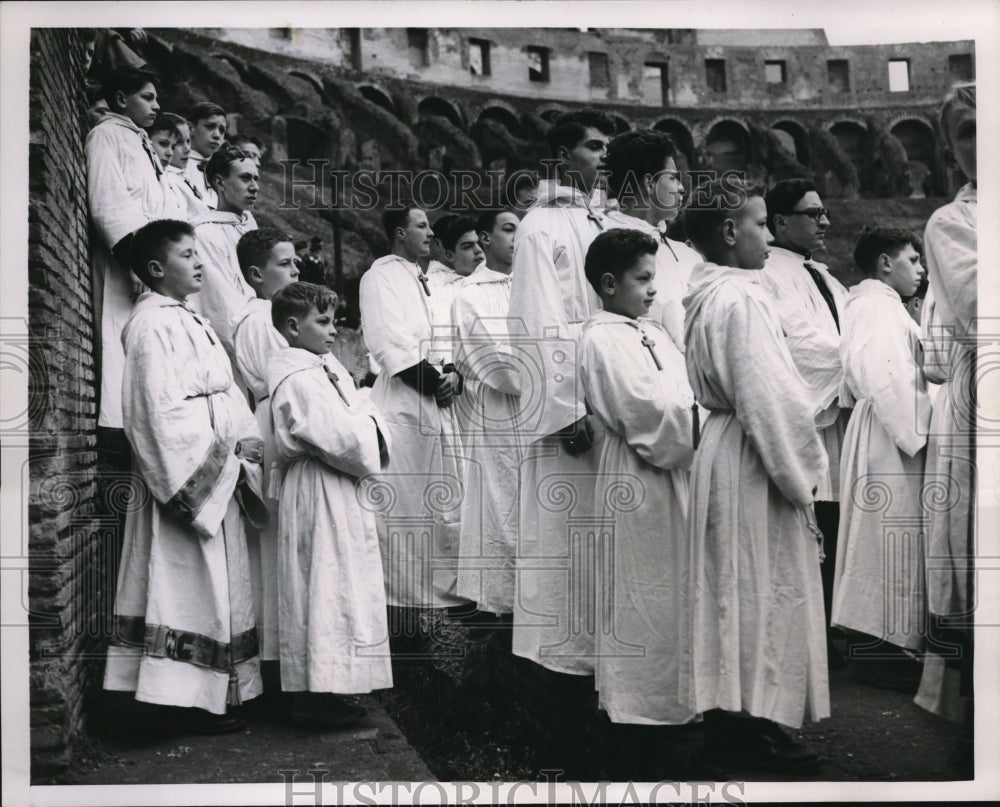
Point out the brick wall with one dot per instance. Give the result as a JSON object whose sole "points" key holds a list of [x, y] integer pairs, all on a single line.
{"points": [[68, 574]]}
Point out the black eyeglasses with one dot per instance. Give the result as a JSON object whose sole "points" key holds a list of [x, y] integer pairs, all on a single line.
{"points": [[815, 213]]}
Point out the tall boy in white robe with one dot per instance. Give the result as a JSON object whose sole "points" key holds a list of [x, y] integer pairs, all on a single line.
{"points": [[267, 260], [634, 378], [332, 617], [879, 581], [184, 622], [753, 649], [550, 300], [207, 122]]}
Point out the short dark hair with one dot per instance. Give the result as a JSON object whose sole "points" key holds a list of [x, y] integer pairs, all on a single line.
{"points": [[150, 243], [315, 241], [711, 205], [218, 164], [397, 216], [632, 155], [205, 110], [874, 241], [615, 252], [126, 79], [569, 128], [241, 139], [301, 244], [254, 247], [487, 220], [174, 118], [164, 123], [454, 229], [782, 197], [298, 299]]}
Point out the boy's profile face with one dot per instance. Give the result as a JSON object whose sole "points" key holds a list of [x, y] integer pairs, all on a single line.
{"points": [[313, 332], [207, 134], [752, 235], [279, 270], [182, 149], [141, 106], [467, 254], [417, 235], [904, 271], [240, 186], [961, 137], [164, 143], [499, 241], [666, 192], [180, 269], [584, 163], [632, 294]]}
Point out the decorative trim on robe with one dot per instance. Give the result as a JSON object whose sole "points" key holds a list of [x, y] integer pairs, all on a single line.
{"points": [[162, 641], [188, 501]]}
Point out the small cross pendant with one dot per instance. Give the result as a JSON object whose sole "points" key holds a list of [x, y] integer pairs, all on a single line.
{"points": [[648, 344], [423, 280]]}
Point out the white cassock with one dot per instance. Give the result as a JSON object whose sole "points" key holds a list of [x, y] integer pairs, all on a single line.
{"points": [[550, 300], [950, 346], [754, 636], [813, 339], [124, 192], [646, 407], [181, 200], [256, 340], [879, 580], [487, 416], [184, 619], [224, 290], [194, 172], [332, 617], [417, 500]]}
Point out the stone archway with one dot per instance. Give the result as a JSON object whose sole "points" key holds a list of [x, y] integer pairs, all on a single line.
{"points": [[727, 146], [682, 138], [439, 107], [855, 141], [793, 137], [377, 96], [917, 138]]}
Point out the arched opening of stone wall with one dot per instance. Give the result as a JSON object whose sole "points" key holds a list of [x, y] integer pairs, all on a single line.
{"points": [[681, 136], [793, 137], [728, 146], [551, 114], [305, 140], [441, 108], [917, 138], [856, 143], [312, 80], [504, 117], [376, 96]]}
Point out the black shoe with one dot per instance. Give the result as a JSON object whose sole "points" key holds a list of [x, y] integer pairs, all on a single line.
{"points": [[324, 710], [199, 721], [762, 744]]}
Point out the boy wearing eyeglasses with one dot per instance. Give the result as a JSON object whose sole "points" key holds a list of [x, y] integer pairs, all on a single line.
{"points": [[809, 302]]}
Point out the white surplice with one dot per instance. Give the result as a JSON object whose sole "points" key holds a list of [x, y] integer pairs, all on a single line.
{"points": [[813, 339], [194, 172], [332, 619], [879, 579], [124, 192], [418, 498], [550, 300], [184, 618], [181, 201], [255, 341], [754, 636], [486, 413], [646, 407]]}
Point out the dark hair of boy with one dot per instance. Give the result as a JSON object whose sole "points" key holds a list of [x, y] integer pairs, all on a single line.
{"points": [[254, 247], [711, 205], [218, 164], [297, 300], [782, 197], [615, 252], [205, 110], [165, 123], [487, 220], [569, 128], [241, 139], [395, 217], [454, 228], [315, 243], [150, 243], [127, 80], [632, 155], [874, 241]]}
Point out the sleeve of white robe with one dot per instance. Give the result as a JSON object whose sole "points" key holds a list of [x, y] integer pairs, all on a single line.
{"points": [[113, 208], [483, 348], [310, 418], [769, 397], [936, 343], [950, 242], [627, 396], [255, 339], [385, 297]]}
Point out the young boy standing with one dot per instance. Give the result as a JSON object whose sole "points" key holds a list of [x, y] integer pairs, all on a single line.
{"points": [[753, 640], [878, 585], [634, 379], [178, 188], [184, 620], [207, 123], [332, 616]]}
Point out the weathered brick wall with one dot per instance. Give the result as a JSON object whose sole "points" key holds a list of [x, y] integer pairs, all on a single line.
{"points": [[68, 576]]}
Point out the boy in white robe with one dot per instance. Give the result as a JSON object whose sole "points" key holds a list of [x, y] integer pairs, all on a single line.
{"points": [[332, 617], [418, 524], [879, 581], [186, 198], [267, 260], [184, 621], [634, 379], [487, 416], [753, 639], [225, 291], [550, 300], [207, 123]]}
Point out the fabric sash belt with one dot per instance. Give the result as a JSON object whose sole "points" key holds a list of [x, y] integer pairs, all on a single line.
{"points": [[161, 641]]}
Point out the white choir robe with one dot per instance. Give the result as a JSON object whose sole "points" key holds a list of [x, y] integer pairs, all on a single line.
{"points": [[255, 341], [643, 489], [194, 172], [181, 202], [754, 637], [487, 416], [184, 599], [224, 290], [950, 243], [332, 619], [124, 192], [550, 300], [878, 586], [814, 342], [418, 498]]}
